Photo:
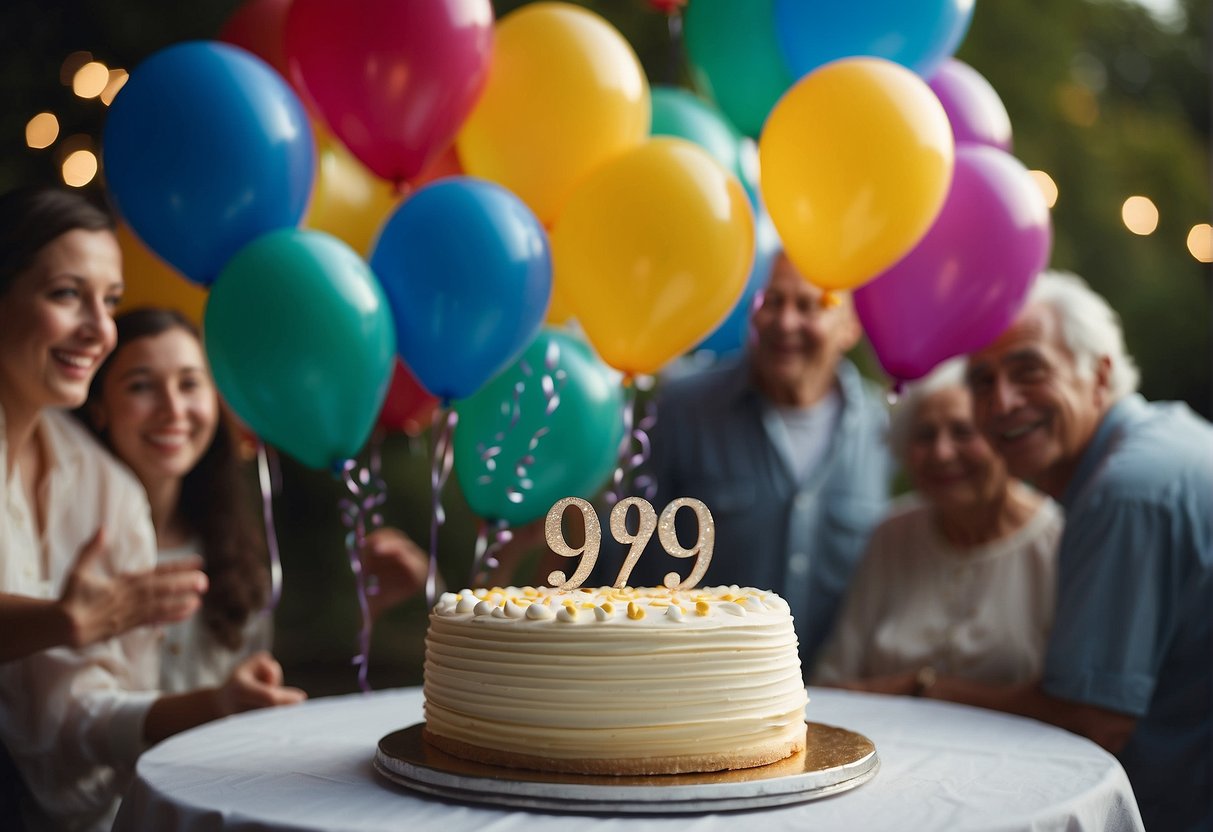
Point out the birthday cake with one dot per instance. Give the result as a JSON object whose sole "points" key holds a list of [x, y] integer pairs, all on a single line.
{"points": [[614, 680]]}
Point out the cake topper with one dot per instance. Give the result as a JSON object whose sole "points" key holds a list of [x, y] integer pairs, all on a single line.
{"points": [[647, 523]]}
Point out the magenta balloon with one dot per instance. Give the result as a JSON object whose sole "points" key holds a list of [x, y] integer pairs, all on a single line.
{"points": [[974, 108], [394, 80], [965, 281]]}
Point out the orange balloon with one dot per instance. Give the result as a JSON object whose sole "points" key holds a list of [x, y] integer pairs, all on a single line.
{"points": [[565, 93], [652, 252], [348, 201], [152, 282], [856, 161]]}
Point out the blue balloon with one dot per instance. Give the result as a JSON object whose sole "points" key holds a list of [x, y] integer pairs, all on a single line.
{"points": [[918, 34], [467, 271], [205, 149], [732, 333]]}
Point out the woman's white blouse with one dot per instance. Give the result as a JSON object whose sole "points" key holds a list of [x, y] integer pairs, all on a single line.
{"points": [[72, 720], [982, 613]]}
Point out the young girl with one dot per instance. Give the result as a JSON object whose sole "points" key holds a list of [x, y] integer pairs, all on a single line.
{"points": [[154, 405]]}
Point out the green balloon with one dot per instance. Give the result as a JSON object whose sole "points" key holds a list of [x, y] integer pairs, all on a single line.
{"points": [[546, 427], [735, 58], [302, 344]]}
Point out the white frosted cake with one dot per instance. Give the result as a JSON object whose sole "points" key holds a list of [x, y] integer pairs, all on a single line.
{"points": [[614, 681]]}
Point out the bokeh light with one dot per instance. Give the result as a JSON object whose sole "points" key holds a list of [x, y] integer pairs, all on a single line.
{"points": [[41, 131], [1048, 188], [117, 79], [79, 168], [71, 65], [91, 79], [1200, 242], [1140, 215]]}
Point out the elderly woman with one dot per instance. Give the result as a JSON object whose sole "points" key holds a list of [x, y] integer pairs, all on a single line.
{"points": [[959, 579]]}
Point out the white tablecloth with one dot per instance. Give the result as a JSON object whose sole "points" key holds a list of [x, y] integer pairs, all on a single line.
{"points": [[943, 767]]}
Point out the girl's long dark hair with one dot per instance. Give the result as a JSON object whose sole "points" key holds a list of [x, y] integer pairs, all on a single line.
{"points": [[215, 502]]}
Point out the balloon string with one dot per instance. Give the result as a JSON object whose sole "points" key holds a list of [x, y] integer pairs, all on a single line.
{"points": [[552, 379], [269, 476], [635, 432], [359, 513], [674, 24], [485, 559], [442, 431]]}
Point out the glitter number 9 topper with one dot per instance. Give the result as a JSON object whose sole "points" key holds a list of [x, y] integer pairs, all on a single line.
{"points": [[648, 522]]}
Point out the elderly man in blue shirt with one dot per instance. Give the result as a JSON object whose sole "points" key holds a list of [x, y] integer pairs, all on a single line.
{"points": [[1130, 657], [786, 446]]}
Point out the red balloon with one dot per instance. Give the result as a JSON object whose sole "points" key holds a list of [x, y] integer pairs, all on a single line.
{"points": [[257, 26], [408, 405], [444, 165], [393, 80]]}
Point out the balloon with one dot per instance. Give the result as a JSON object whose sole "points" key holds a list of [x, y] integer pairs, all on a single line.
{"points": [[301, 344], [443, 165], [856, 160], [735, 58], [468, 273], [408, 407], [205, 149], [348, 201], [962, 285], [733, 332], [393, 80], [652, 252], [919, 35], [974, 109], [566, 93], [257, 26], [150, 282], [548, 427], [677, 112]]}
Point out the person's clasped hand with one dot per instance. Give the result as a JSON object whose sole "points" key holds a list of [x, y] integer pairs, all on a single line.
{"points": [[99, 605]]}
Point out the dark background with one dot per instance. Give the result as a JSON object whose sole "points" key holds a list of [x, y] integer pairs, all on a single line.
{"points": [[1107, 99]]}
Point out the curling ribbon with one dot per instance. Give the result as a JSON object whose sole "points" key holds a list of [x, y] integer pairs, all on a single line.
{"points": [[442, 431], [359, 513], [270, 477], [630, 460]]}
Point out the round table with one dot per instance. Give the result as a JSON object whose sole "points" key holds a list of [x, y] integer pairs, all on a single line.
{"points": [[943, 766]]}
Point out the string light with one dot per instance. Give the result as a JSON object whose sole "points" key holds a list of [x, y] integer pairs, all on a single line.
{"points": [[1048, 188], [1200, 242], [79, 168], [41, 131], [1140, 215]]}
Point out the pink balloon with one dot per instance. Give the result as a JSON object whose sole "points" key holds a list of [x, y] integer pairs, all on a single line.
{"points": [[965, 281], [974, 108], [393, 79]]}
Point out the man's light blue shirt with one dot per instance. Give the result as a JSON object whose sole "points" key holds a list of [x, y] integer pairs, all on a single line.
{"points": [[718, 439], [1135, 601]]}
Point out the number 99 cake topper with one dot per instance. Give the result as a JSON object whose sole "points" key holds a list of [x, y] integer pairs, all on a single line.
{"points": [[701, 551]]}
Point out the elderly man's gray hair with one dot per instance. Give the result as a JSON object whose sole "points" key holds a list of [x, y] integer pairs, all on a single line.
{"points": [[1090, 328]]}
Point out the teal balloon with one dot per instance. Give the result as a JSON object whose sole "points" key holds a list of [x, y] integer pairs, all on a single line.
{"points": [[681, 113], [735, 58], [302, 344], [546, 427]]}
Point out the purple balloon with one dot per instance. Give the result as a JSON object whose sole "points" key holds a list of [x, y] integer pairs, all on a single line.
{"points": [[965, 281], [976, 112]]}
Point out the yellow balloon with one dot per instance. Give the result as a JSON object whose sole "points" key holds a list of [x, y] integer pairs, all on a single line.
{"points": [[652, 252], [856, 161], [152, 282], [565, 93], [348, 201]]}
